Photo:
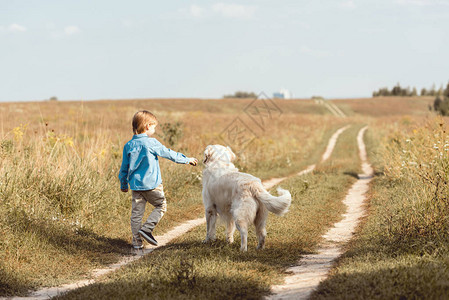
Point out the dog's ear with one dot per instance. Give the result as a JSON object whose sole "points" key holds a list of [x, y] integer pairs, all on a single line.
{"points": [[208, 154], [230, 152]]}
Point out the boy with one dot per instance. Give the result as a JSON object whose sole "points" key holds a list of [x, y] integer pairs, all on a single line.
{"points": [[140, 169]]}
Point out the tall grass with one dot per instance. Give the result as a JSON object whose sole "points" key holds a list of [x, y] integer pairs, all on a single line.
{"points": [[402, 249], [61, 211]]}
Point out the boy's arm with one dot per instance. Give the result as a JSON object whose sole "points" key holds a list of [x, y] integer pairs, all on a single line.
{"points": [[164, 152], [123, 173]]}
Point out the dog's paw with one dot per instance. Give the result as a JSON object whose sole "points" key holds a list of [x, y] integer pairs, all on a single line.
{"points": [[208, 240]]}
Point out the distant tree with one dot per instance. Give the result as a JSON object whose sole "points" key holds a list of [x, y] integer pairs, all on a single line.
{"points": [[432, 91], [241, 94], [441, 103], [423, 92], [437, 104], [440, 91], [54, 98], [396, 91], [446, 91]]}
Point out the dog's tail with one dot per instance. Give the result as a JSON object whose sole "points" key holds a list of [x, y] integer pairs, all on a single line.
{"points": [[278, 205]]}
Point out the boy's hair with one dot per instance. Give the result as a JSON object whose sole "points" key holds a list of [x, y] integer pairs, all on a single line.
{"points": [[141, 119]]}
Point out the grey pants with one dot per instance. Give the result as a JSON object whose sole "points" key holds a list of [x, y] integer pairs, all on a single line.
{"points": [[139, 199]]}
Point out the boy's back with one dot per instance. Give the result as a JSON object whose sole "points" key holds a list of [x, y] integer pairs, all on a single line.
{"points": [[141, 171]]}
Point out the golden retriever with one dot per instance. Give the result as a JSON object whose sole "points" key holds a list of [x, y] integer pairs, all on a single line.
{"points": [[238, 198]]}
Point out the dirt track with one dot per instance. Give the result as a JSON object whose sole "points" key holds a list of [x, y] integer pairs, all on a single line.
{"points": [[313, 268]]}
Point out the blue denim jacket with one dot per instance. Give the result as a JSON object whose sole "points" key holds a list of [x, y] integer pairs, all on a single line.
{"points": [[140, 164]]}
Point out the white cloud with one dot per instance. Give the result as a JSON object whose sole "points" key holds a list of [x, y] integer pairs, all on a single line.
{"points": [[196, 11], [13, 28], [348, 4], [234, 10], [314, 53], [70, 30]]}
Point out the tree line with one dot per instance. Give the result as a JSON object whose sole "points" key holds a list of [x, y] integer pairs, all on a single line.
{"points": [[397, 90], [241, 94]]}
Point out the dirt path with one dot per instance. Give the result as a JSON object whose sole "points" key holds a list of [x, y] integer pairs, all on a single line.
{"points": [[179, 230], [334, 109], [50, 292], [268, 184], [312, 269]]}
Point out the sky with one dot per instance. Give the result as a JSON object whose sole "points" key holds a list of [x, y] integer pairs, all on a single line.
{"points": [[107, 49]]}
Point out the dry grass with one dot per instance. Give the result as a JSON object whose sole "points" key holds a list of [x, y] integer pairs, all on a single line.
{"points": [[401, 250], [187, 269], [387, 106], [62, 213]]}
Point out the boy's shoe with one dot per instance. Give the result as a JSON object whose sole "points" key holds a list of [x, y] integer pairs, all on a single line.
{"points": [[138, 247], [148, 237]]}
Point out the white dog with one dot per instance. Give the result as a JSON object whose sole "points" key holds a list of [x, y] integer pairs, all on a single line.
{"points": [[238, 198]]}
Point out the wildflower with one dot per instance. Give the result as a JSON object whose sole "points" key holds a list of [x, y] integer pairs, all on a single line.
{"points": [[68, 141], [19, 131]]}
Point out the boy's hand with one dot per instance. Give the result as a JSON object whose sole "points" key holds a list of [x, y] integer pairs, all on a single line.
{"points": [[124, 191], [193, 161]]}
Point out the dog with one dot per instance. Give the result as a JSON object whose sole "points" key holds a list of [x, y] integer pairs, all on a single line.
{"points": [[238, 198]]}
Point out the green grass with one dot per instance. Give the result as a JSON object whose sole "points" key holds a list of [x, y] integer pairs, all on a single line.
{"points": [[186, 268]]}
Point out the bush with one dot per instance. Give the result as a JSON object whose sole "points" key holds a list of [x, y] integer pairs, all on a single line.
{"points": [[441, 103], [241, 94], [172, 133]]}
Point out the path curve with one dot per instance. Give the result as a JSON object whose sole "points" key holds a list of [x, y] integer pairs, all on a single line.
{"points": [[268, 184], [313, 268], [47, 293]]}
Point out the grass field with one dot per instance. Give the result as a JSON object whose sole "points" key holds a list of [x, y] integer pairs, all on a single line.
{"points": [[62, 213], [401, 251], [189, 269]]}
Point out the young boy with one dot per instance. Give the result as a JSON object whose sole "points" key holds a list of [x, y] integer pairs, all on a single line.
{"points": [[140, 169]]}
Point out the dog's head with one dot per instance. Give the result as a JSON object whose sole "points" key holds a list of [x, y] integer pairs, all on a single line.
{"points": [[218, 154]]}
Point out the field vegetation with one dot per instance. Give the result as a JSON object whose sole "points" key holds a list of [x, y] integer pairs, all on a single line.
{"points": [[401, 251], [62, 213], [188, 269]]}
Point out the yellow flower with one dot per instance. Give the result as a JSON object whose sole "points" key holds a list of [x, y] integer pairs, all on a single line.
{"points": [[19, 131]]}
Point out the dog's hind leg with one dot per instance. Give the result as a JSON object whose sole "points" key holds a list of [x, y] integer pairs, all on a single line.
{"points": [[230, 228], [259, 222], [242, 226], [211, 220]]}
